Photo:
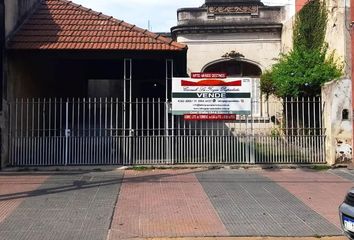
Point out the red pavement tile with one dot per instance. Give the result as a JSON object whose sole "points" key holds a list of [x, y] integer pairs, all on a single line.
{"points": [[164, 203], [321, 191], [11, 188]]}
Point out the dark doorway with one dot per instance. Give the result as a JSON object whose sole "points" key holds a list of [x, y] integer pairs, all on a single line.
{"points": [[236, 68]]}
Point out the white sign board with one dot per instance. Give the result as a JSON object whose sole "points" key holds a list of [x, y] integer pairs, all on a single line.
{"points": [[209, 96]]}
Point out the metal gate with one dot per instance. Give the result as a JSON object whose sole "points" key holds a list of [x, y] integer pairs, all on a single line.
{"points": [[107, 131]]}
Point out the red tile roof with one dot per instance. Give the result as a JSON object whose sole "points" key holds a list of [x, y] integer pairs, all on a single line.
{"points": [[64, 25]]}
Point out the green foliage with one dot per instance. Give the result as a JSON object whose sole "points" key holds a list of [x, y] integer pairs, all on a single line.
{"points": [[308, 66], [267, 84], [320, 167], [302, 73], [310, 26], [275, 132], [140, 168]]}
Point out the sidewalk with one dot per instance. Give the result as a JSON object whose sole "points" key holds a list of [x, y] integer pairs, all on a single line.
{"points": [[176, 204]]}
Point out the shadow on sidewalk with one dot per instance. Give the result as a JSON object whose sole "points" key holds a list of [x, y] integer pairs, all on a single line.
{"points": [[85, 182]]}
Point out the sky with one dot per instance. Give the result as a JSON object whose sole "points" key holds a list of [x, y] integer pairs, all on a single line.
{"points": [[161, 14]]}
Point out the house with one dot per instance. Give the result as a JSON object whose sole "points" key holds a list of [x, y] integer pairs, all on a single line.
{"points": [[239, 37], [63, 51]]}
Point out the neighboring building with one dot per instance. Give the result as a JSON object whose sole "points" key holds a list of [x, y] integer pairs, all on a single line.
{"points": [[16, 12], [2, 52], [12, 14], [299, 4]]}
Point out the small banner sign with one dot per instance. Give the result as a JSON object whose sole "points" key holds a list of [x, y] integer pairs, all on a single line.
{"points": [[211, 94], [209, 117], [209, 75]]}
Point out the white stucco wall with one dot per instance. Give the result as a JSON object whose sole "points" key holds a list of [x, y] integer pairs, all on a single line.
{"points": [[259, 48], [336, 97], [287, 35], [338, 30]]}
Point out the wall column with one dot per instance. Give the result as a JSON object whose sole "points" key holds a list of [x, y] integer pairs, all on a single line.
{"points": [[337, 121], [2, 76]]}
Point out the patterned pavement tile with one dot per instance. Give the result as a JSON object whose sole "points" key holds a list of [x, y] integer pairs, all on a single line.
{"points": [[14, 188], [68, 206], [321, 191], [344, 173], [164, 203], [252, 205]]}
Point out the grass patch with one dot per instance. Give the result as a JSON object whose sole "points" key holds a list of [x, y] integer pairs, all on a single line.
{"points": [[141, 168], [320, 167]]}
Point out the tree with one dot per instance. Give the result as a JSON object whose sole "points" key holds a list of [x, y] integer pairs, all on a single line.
{"points": [[303, 70]]}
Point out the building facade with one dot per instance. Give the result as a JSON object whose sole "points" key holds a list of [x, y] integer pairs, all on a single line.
{"points": [[230, 32], [239, 37]]}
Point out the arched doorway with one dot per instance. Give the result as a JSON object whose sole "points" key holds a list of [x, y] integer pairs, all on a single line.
{"points": [[234, 68]]}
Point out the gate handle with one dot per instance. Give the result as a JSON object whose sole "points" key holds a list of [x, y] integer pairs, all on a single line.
{"points": [[67, 132]]}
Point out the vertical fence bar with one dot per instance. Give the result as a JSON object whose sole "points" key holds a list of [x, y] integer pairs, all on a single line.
{"points": [[55, 144], [130, 113], [89, 129], [307, 145], [105, 152], [116, 135], [66, 130], [315, 132], [84, 140], [49, 134], [60, 145], [22, 154]]}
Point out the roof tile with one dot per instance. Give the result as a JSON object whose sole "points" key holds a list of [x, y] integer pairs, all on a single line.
{"points": [[61, 25]]}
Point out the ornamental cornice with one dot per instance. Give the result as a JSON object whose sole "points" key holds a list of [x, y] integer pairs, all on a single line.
{"points": [[233, 10]]}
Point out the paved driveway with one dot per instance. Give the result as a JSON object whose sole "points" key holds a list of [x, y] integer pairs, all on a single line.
{"points": [[171, 203]]}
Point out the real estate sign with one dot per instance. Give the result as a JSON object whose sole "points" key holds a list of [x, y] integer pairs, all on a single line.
{"points": [[211, 94]]}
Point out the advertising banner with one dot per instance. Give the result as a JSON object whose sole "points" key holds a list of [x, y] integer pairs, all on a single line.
{"points": [[211, 95]]}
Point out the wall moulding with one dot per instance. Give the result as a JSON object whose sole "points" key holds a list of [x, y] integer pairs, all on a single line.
{"points": [[233, 10]]}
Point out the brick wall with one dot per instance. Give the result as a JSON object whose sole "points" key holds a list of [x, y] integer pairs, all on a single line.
{"points": [[299, 4]]}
